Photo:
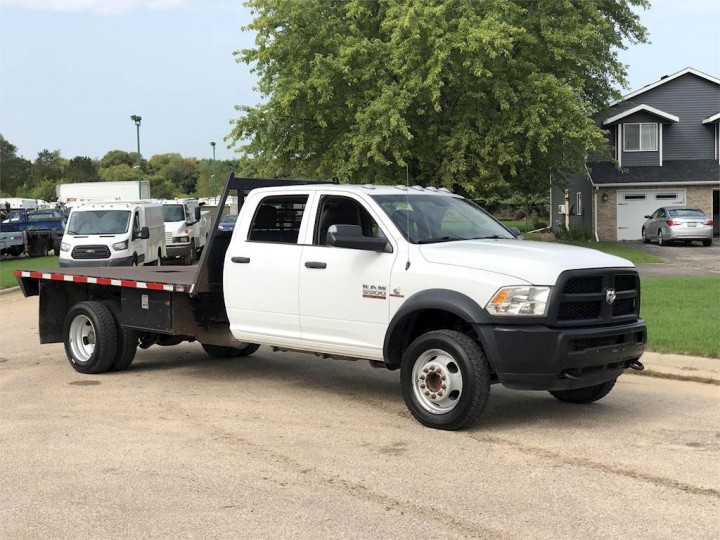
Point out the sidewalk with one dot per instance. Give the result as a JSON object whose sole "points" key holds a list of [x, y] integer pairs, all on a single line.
{"points": [[675, 366]]}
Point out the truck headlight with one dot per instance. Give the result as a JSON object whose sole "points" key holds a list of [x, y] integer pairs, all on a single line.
{"points": [[181, 239], [64, 246], [119, 246], [519, 301]]}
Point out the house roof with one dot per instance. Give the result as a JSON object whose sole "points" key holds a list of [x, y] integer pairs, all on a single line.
{"points": [[697, 171], [714, 119], [647, 108], [667, 79]]}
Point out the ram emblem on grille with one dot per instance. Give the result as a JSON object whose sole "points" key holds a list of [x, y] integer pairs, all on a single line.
{"points": [[610, 296]]}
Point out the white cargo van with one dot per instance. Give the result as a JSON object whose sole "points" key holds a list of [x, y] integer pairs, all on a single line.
{"points": [[114, 234]]}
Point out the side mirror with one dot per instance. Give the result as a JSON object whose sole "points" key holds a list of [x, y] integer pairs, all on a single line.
{"points": [[648, 217], [197, 214], [351, 236], [144, 233], [516, 232]]}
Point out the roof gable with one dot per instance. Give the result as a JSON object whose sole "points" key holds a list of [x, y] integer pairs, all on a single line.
{"points": [[647, 108], [665, 80]]}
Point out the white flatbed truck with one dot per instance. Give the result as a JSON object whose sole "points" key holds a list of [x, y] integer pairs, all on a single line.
{"points": [[415, 279]]}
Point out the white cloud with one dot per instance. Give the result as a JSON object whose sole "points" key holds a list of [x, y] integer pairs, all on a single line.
{"points": [[106, 7]]}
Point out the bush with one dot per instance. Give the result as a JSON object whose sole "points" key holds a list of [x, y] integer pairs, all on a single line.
{"points": [[538, 225], [574, 235]]}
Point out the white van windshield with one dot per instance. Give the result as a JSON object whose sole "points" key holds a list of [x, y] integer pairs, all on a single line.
{"points": [[99, 222], [173, 212]]}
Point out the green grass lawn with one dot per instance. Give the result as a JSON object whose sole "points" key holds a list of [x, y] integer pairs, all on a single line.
{"points": [[683, 315], [613, 248], [7, 266]]}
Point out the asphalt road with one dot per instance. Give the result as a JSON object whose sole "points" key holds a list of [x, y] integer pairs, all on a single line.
{"points": [[289, 446]]}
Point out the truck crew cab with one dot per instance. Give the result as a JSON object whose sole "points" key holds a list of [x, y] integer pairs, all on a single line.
{"points": [[415, 279]]}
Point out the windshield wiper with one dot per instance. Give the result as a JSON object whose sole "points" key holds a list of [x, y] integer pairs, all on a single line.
{"points": [[440, 239], [491, 237]]}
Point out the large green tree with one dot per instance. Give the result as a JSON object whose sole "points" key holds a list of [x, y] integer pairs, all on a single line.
{"points": [[468, 94], [81, 169], [14, 170]]}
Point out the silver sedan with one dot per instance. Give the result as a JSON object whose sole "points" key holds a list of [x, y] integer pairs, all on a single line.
{"points": [[678, 224]]}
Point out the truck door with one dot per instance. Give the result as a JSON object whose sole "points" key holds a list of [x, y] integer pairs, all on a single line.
{"points": [[137, 244], [261, 271], [344, 292]]}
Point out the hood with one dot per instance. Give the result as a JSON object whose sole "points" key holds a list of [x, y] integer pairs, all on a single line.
{"points": [[175, 226], [538, 263]]}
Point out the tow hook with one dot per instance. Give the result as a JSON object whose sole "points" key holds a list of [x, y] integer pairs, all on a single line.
{"points": [[636, 365]]}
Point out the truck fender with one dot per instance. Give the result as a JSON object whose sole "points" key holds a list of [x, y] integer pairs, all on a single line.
{"points": [[453, 302]]}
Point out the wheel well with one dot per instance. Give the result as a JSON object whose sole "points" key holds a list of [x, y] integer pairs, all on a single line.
{"points": [[420, 322]]}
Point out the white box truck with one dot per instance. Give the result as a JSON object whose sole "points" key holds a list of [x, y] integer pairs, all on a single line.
{"points": [[114, 234], [83, 192], [186, 228]]}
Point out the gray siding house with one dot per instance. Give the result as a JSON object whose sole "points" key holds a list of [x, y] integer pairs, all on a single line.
{"points": [[665, 140]]}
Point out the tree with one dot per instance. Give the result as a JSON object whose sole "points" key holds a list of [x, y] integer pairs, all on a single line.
{"points": [[118, 173], [181, 172], [14, 170], [81, 169], [470, 95], [48, 166], [118, 157]]}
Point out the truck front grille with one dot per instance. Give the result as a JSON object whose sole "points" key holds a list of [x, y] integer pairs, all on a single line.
{"points": [[91, 252], [600, 296], [168, 238]]}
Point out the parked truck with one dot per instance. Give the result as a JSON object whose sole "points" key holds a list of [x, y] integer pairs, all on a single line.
{"points": [[114, 234], [88, 192], [187, 228], [34, 232], [417, 279]]}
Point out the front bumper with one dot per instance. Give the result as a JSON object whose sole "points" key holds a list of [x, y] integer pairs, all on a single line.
{"points": [[77, 263], [536, 357], [177, 250]]}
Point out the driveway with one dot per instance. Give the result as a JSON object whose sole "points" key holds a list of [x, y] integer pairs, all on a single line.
{"points": [[680, 260]]}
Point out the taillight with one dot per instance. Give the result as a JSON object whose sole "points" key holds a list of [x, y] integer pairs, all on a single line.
{"points": [[708, 222], [672, 222]]}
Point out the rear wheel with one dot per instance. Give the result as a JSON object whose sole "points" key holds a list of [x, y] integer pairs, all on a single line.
{"points": [[584, 395], [90, 337], [445, 379], [127, 340], [218, 351], [661, 240], [707, 242]]}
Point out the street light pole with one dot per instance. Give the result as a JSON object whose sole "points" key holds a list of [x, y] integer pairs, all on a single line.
{"points": [[212, 176], [135, 118]]}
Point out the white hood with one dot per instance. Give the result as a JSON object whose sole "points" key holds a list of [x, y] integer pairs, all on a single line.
{"points": [[538, 263]]}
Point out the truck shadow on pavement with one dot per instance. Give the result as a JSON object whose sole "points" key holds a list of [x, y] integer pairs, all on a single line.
{"points": [[379, 388]]}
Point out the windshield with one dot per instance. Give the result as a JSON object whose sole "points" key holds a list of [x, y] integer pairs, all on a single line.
{"points": [[230, 218], [173, 212], [43, 216], [686, 212], [425, 219], [99, 222]]}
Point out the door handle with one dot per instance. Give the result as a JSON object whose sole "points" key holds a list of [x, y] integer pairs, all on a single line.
{"points": [[241, 260], [314, 264]]}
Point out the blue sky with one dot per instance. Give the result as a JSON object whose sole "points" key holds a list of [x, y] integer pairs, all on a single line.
{"points": [[73, 71]]}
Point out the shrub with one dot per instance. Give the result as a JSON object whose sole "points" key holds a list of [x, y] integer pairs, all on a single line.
{"points": [[578, 234]]}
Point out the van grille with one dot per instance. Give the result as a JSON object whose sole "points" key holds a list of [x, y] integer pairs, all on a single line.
{"points": [[91, 252], [168, 238], [586, 297]]}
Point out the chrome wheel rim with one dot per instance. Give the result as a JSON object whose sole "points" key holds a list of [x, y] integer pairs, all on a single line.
{"points": [[437, 381], [82, 339]]}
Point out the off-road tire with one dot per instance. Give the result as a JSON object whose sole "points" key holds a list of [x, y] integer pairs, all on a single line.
{"points": [[127, 341], [218, 351], [460, 355], [96, 321], [586, 395]]}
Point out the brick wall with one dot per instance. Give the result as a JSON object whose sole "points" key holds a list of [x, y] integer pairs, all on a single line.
{"points": [[700, 197], [607, 214]]}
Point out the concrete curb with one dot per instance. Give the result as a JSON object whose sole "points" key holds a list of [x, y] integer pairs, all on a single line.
{"points": [[682, 368], [9, 290]]}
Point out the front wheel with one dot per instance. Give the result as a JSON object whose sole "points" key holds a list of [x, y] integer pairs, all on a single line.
{"points": [[218, 351], [445, 379], [584, 395], [661, 240], [645, 239], [90, 337]]}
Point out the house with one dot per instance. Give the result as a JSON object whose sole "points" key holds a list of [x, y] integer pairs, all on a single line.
{"points": [[665, 140]]}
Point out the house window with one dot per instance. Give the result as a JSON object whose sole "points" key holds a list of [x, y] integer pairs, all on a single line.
{"points": [[634, 197], [666, 196], [640, 138], [578, 204]]}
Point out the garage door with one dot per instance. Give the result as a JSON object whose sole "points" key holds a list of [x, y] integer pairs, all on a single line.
{"points": [[634, 205]]}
